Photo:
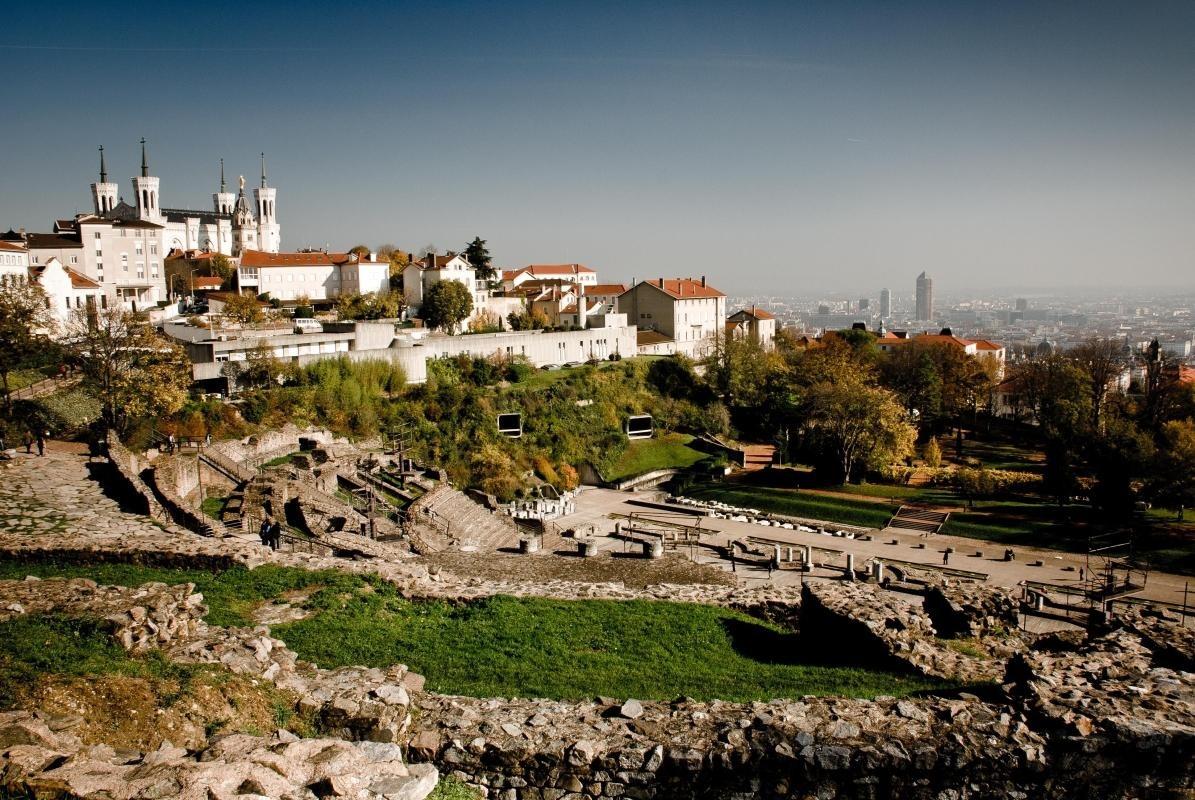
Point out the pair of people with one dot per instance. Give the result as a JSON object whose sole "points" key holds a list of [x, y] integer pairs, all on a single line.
{"points": [[270, 533], [42, 436]]}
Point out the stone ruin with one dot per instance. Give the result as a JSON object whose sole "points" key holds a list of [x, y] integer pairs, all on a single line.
{"points": [[362, 712]]}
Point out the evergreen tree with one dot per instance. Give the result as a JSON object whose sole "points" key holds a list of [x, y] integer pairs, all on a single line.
{"points": [[479, 257]]}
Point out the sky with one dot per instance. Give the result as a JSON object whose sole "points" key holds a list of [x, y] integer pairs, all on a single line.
{"points": [[788, 147]]}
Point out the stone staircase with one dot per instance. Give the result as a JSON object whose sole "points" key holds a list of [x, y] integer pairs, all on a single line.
{"points": [[922, 520], [757, 456], [466, 523]]}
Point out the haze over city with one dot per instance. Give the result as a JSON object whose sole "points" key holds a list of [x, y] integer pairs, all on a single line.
{"points": [[787, 148]]}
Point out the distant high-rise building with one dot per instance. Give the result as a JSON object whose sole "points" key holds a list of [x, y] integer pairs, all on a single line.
{"points": [[925, 297], [885, 303], [823, 309], [1022, 304], [864, 303]]}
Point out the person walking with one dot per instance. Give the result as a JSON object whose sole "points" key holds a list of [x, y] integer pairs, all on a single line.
{"points": [[41, 441], [275, 535], [946, 556], [263, 532], [27, 438]]}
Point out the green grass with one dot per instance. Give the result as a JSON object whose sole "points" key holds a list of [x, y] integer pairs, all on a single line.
{"points": [[531, 647], [20, 378], [37, 645], [213, 506], [451, 788], [230, 595], [798, 504], [280, 460], [667, 451], [525, 647]]}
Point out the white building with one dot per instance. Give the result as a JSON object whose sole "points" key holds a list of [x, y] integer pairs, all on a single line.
{"points": [[755, 324], [14, 260], [571, 273], [316, 275], [678, 315], [123, 247], [424, 273], [66, 289]]}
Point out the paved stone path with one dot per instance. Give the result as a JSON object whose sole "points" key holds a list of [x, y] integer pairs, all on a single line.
{"points": [[600, 506], [55, 493]]}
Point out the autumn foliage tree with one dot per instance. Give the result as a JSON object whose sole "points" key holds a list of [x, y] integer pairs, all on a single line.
{"points": [[133, 371]]}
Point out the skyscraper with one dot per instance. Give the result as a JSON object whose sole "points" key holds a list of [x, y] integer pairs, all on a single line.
{"points": [[885, 304], [925, 297]]}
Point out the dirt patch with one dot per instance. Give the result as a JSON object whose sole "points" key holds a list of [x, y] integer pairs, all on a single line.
{"points": [[141, 713], [286, 608], [634, 573]]}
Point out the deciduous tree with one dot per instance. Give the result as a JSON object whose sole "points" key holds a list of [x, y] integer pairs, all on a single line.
{"points": [[25, 323], [446, 305], [131, 369]]}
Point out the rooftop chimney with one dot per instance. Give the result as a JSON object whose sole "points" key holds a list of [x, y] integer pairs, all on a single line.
{"points": [[703, 286], [661, 283]]}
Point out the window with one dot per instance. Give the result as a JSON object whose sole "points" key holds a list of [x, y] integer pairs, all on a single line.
{"points": [[97, 236], [74, 259], [124, 261], [153, 249], [140, 247]]}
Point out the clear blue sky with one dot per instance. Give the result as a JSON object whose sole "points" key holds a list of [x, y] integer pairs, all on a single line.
{"points": [[781, 147]]}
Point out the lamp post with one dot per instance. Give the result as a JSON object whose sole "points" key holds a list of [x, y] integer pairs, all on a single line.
{"points": [[192, 276]]}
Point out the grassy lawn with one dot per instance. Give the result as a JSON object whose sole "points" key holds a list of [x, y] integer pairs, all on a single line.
{"points": [[280, 460], [798, 504], [667, 451], [213, 506], [523, 647], [36, 645], [20, 378]]}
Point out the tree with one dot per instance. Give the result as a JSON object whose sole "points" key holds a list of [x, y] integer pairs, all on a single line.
{"points": [[221, 267], [262, 367], [231, 371], [1172, 483], [932, 454], [369, 306], [25, 323], [479, 257], [1102, 361], [359, 250], [243, 308], [528, 320], [857, 426], [446, 305], [134, 372]]}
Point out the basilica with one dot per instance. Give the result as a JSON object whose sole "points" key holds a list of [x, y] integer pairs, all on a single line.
{"points": [[231, 227]]}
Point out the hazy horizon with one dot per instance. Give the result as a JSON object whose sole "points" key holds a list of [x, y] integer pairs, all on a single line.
{"points": [[786, 148]]}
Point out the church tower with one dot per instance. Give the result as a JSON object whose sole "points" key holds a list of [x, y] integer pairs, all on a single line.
{"points": [[269, 235], [145, 189], [244, 226], [223, 200], [103, 194]]}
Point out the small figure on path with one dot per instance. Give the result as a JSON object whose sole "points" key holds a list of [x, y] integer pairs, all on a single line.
{"points": [[1082, 572], [27, 438], [275, 535], [170, 441], [41, 442], [264, 532], [946, 556]]}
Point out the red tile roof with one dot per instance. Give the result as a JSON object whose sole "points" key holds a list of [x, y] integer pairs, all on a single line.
{"points": [[544, 270], [258, 258], [605, 288], [650, 337], [757, 313], [81, 281], [208, 282], [684, 288], [984, 344], [12, 247]]}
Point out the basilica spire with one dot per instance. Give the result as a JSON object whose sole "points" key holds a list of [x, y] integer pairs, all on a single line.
{"points": [[144, 160], [103, 169], [263, 170], [221, 176]]}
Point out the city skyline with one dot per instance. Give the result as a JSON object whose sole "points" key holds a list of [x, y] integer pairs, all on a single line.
{"points": [[1026, 146]]}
